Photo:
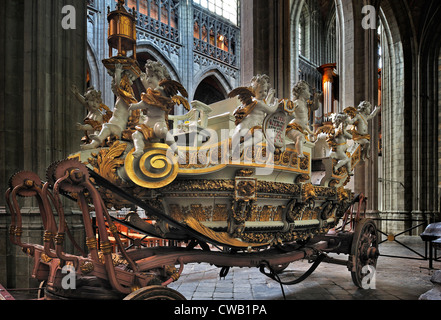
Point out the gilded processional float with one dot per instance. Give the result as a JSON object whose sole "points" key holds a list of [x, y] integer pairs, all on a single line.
{"points": [[254, 187]]}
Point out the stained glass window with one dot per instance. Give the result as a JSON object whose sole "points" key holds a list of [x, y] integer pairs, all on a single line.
{"points": [[224, 8]]}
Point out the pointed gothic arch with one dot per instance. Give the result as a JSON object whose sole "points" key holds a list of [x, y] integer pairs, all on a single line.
{"points": [[211, 86], [304, 32], [392, 160], [93, 67], [148, 49], [311, 43]]}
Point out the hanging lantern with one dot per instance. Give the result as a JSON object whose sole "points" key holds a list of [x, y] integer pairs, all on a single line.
{"points": [[122, 37], [122, 31]]}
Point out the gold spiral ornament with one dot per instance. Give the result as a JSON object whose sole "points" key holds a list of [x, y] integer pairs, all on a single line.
{"points": [[156, 168]]}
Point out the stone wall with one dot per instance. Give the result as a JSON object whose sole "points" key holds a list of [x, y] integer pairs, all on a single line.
{"points": [[41, 61]]}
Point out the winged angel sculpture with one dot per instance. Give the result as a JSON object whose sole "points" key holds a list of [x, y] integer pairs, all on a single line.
{"points": [[258, 100], [122, 88], [337, 141], [158, 102], [298, 129], [359, 119], [98, 113]]}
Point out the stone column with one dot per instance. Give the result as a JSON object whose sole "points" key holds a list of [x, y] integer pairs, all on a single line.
{"points": [[428, 109], [247, 40], [186, 24], [366, 89], [98, 49], [41, 61], [397, 191], [346, 56], [264, 28]]}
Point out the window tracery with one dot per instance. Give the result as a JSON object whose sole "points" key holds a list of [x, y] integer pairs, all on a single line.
{"points": [[157, 16], [315, 40], [227, 9], [214, 37]]}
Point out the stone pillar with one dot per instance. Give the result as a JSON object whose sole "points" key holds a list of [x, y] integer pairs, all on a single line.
{"points": [[366, 89], [264, 27], [187, 61], [247, 41], [98, 49], [428, 111], [346, 56], [41, 60], [280, 54], [395, 182]]}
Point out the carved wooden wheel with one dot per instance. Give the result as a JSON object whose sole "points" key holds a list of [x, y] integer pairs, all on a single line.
{"points": [[27, 179], [364, 251], [41, 288], [77, 173], [155, 293]]}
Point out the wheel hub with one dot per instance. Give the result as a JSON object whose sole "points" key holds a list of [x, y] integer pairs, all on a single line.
{"points": [[76, 171], [373, 253], [28, 180]]}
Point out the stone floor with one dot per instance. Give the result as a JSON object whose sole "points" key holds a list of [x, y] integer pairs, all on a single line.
{"points": [[396, 279]]}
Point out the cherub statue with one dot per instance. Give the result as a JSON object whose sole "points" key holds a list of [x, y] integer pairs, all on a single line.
{"points": [[122, 88], [159, 99], [257, 101], [298, 129], [360, 118], [337, 142], [98, 113]]}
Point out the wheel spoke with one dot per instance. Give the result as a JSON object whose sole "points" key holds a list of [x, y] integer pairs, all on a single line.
{"points": [[155, 293], [364, 248]]}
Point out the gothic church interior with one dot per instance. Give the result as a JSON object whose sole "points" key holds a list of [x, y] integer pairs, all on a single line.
{"points": [[386, 52]]}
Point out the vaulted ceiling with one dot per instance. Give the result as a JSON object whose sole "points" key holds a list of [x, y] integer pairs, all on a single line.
{"points": [[325, 8]]}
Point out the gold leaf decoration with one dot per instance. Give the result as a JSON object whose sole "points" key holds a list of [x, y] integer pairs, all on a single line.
{"points": [[308, 191], [220, 212], [107, 161], [222, 237]]}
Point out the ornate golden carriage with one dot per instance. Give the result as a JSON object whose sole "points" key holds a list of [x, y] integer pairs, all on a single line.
{"points": [[266, 208]]}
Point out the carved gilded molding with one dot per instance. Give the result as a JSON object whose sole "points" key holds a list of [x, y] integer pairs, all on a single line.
{"points": [[245, 188], [220, 212], [199, 185], [108, 160], [267, 213], [224, 185], [279, 237]]}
